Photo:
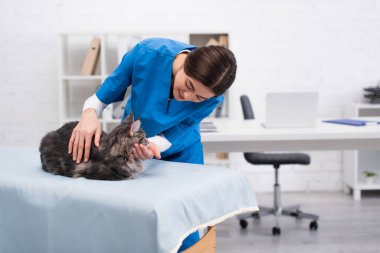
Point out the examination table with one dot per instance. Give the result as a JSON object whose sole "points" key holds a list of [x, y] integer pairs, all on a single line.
{"points": [[41, 212]]}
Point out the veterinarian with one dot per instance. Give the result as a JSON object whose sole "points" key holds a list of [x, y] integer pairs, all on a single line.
{"points": [[174, 86]]}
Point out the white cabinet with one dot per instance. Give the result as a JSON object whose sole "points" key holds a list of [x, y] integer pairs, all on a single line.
{"points": [[74, 88], [355, 162]]}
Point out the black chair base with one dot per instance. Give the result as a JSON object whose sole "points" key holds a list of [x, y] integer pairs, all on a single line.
{"points": [[291, 211]]}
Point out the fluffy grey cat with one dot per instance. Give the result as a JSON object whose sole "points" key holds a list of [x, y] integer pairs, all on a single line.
{"points": [[113, 159]]}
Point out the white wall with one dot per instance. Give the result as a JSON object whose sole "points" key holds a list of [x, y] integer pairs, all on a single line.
{"points": [[326, 45], [28, 71]]}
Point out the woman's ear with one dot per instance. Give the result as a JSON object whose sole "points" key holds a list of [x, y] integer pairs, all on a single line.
{"points": [[134, 127]]}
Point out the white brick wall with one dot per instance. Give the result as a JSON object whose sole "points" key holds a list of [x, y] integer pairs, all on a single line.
{"points": [[28, 81], [326, 45]]}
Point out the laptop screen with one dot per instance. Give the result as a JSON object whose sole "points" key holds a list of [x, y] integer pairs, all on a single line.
{"points": [[291, 109]]}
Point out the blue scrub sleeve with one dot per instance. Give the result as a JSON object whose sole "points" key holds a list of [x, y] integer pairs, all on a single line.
{"points": [[114, 87], [187, 132]]}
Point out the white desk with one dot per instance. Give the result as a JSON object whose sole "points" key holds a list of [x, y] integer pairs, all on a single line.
{"points": [[250, 135]]}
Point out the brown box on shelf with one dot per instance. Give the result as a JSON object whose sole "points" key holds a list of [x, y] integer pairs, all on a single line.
{"points": [[212, 42], [222, 156], [92, 58], [223, 41]]}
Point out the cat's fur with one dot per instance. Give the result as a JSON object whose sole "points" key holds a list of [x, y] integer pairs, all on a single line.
{"points": [[113, 160]]}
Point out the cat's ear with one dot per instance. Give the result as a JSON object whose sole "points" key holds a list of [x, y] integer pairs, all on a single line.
{"points": [[134, 127], [129, 119]]}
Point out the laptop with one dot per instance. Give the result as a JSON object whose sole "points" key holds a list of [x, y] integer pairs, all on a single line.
{"points": [[291, 109]]}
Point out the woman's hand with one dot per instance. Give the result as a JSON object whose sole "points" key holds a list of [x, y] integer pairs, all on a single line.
{"points": [[82, 135], [142, 152]]}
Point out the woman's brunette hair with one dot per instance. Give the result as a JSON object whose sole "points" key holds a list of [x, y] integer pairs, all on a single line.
{"points": [[213, 66]]}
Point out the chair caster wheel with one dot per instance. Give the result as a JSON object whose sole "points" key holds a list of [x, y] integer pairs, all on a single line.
{"points": [[276, 231], [243, 223], [313, 225]]}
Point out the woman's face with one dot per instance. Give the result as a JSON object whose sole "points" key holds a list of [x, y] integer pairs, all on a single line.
{"points": [[186, 88]]}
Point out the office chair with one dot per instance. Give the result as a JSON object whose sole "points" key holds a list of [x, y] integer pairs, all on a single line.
{"points": [[276, 160]]}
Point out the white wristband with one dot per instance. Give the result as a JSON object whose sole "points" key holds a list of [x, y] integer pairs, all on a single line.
{"points": [[95, 103], [162, 143]]}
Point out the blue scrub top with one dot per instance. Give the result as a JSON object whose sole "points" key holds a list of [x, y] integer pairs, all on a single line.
{"points": [[147, 67]]}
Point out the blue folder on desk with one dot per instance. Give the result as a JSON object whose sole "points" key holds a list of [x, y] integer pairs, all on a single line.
{"points": [[353, 122]]}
